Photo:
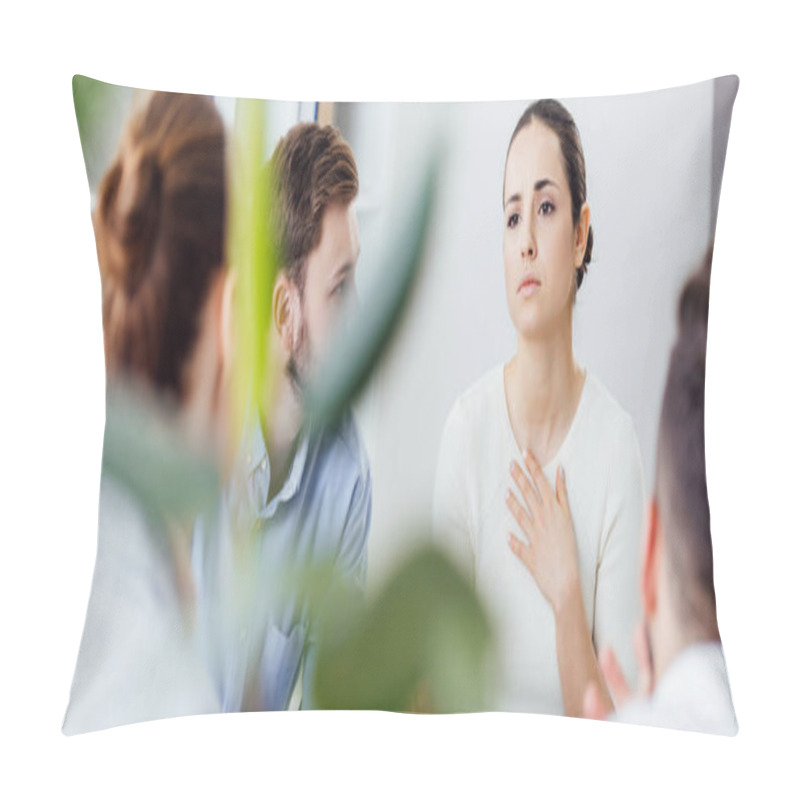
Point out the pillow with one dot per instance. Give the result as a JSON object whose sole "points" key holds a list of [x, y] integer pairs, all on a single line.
{"points": [[465, 339]]}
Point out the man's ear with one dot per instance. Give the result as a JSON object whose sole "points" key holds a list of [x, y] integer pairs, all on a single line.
{"points": [[285, 311], [652, 553]]}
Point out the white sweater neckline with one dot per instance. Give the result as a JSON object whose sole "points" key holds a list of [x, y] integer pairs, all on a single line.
{"points": [[562, 452]]}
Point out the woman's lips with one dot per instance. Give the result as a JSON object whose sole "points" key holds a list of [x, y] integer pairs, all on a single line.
{"points": [[528, 287]]}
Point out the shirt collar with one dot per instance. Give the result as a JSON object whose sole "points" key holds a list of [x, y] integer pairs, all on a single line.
{"points": [[258, 471]]}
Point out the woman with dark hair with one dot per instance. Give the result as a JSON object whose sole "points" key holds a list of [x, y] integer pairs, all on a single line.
{"points": [[534, 428], [159, 226]]}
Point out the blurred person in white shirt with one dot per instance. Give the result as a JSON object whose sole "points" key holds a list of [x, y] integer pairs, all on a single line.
{"points": [[160, 232], [683, 681]]}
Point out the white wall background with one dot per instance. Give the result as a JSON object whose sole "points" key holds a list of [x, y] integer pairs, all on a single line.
{"points": [[120, 101], [649, 174]]}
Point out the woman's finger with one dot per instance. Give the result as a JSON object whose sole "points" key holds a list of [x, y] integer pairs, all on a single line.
{"points": [[615, 680], [522, 551], [561, 492], [539, 480], [520, 515], [529, 494]]}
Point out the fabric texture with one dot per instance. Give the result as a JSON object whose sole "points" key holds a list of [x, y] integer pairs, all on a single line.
{"points": [[251, 642]]}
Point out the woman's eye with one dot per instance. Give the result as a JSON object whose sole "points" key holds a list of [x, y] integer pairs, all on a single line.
{"points": [[546, 208], [513, 221]]}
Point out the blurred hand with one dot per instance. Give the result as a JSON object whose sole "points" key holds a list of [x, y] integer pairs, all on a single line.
{"points": [[593, 705], [550, 553]]}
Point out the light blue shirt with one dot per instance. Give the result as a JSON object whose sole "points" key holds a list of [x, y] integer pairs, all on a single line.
{"points": [[321, 514]]}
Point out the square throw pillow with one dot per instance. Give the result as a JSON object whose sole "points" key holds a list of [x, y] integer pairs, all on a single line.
{"points": [[467, 340]]}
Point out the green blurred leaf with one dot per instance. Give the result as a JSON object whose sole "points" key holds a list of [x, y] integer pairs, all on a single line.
{"points": [[100, 110], [359, 346], [425, 631], [144, 450], [253, 256]]}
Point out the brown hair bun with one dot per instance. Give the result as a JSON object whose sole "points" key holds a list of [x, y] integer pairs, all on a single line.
{"points": [[159, 226]]}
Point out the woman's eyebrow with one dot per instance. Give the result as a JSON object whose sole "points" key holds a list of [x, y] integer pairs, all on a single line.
{"points": [[544, 182], [537, 187]]}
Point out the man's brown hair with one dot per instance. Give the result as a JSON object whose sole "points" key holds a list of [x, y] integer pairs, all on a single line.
{"points": [[312, 168], [159, 227]]}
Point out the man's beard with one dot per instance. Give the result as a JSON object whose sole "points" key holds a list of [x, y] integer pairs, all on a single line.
{"points": [[299, 364]]}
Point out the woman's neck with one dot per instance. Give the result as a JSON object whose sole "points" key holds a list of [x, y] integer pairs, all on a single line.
{"points": [[543, 387]]}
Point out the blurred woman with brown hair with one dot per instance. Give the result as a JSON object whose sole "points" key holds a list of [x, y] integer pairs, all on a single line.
{"points": [[160, 231]]}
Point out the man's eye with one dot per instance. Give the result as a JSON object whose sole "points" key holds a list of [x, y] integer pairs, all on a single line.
{"points": [[341, 289]]}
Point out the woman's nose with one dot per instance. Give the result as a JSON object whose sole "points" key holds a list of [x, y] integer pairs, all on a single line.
{"points": [[529, 246]]}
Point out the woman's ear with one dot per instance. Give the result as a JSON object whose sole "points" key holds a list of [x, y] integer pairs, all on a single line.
{"points": [[582, 234], [650, 558], [226, 331]]}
